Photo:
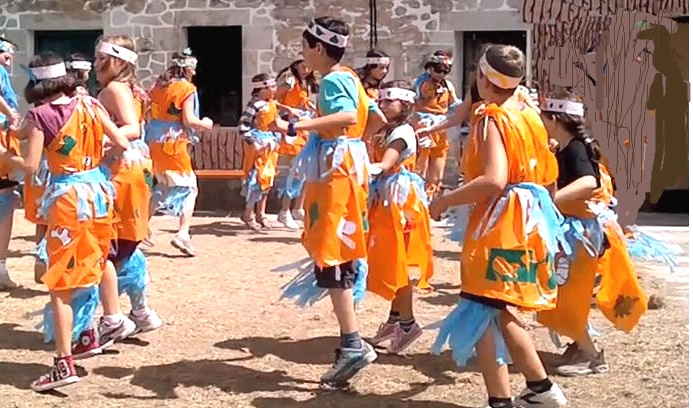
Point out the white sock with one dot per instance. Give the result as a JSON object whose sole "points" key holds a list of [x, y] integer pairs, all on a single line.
{"points": [[184, 235], [114, 319], [3, 267]]}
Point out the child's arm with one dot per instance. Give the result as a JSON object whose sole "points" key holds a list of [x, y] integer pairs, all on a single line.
{"points": [[461, 114], [34, 137], [376, 121], [190, 119]]}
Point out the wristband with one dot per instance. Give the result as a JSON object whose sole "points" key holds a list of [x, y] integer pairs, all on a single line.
{"points": [[291, 131]]}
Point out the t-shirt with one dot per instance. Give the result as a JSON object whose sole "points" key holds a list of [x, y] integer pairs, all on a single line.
{"points": [[339, 92], [407, 134], [51, 117], [7, 92], [574, 162]]}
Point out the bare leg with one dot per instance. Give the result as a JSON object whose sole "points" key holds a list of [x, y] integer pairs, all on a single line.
{"points": [[343, 304], [496, 376], [61, 304], [108, 290], [186, 217], [404, 303], [522, 348]]}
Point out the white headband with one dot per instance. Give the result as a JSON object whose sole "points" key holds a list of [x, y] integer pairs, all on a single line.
{"points": [[7, 46], [440, 59], [264, 84], [399, 94], [496, 78], [188, 62], [327, 36], [117, 51], [49, 71], [563, 106], [377, 60], [81, 65]]}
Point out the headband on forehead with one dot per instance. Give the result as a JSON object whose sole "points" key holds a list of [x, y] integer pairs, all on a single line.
{"points": [[496, 78], [327, 36], [188, 62], [46, 72], [117, 51], [7, 45], [377, 60], [563, 106], [397, 94], [264, 84], [440, 59], [79, 65]]}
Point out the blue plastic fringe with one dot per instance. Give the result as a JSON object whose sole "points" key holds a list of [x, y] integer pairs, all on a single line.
{"points": [[645, 247], [305, 291], [41, 252], [463, 328], [171, 200], [132, 276], [84, 304]]}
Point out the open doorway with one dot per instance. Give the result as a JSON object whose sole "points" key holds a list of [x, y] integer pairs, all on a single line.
{"points": [[65, 43], [219, 77], [474, 43]]}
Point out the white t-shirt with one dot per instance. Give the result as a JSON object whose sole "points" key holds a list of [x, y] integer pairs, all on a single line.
{"points": [[408, 135]]}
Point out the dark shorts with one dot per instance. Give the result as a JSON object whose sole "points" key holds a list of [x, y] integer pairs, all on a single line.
{"points": [[494, 303], [336, 277], [121, 249]]}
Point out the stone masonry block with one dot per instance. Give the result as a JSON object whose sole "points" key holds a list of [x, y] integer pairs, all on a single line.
{"points": [[258, 37], [207, 18], [475, 20]]}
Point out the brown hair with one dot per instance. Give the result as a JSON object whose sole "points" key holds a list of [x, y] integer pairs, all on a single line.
{"points": [[38, 90], [260, 78], [128, 72], [80, 75], [175, 71], [506, 59]]}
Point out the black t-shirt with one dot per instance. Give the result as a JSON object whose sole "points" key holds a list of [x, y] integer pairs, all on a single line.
{"points": [[574, 162]]}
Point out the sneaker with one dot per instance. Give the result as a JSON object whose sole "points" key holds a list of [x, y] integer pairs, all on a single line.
{"points": [[404, 339], [148, 240], [6, 283], [263, 222], [298, 215], [570, 353], [183, 245], [87, 345], [61, 374], [110, 334], [386, 331], [285, 218], [586, 366], [146, 322], [348, 362], [251, 223], [553, 398]]}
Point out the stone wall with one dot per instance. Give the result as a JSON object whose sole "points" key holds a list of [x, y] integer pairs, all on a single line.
{"points": [[409, 30]]}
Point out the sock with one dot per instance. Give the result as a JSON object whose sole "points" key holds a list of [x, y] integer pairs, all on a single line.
{"points": [[539, 387], [494, 402], [3, 268], [114, 319], [184, 234], [406, 325], [394, 317], [351, 341]]}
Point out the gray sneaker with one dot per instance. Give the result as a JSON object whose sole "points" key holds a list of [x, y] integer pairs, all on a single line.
{"points": [[584, 366], [348, 362], [386, 331], [183, 245], [404, 339]]}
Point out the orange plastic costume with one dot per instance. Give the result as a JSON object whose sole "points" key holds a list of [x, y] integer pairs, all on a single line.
{"points": [[334, 165], [296, 97], [34, 187], [132, 178], [400, 232], [261, 155], [78, 203], [503, 257]]}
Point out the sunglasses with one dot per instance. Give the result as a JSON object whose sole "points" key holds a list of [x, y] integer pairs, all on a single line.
{"points": [[441, 69]]}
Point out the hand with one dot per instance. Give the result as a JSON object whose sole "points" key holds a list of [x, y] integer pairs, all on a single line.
{"points": [[207, 123], [438, 206], [15, 119], [423, 132], [280, 125]]}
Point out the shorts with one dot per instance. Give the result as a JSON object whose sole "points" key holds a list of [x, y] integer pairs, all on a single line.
{"points": [[336, 277]]}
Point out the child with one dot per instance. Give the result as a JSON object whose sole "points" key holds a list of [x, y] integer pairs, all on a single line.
{"points": [[77, 206], [260, 161], [79, 67], [374, 72], [399, 234], [503, 185], [295, 86], [334, 165], [9, 120], [131, 173], [435, 98], [584, 196], [169, 132]]}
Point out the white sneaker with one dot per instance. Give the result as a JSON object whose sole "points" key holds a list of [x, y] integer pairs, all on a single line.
{"points": [[146, 322], [298, 215], [6, 283], [109, 334], [553, 398], [285, 218]]}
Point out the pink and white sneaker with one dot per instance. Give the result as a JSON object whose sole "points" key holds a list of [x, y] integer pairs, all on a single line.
{"points": [[404, 339], [87, 345], [386, 331], [61, 374]]}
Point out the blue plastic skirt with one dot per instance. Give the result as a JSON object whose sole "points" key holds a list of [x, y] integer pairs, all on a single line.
{"points": [[305, 291], [645, 247], [84, 304]]}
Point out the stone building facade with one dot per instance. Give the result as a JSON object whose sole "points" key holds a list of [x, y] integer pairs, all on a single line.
{"points": [[408, 30]]}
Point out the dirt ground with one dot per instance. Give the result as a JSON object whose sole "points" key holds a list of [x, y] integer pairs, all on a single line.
{"points": [[228, 342]]}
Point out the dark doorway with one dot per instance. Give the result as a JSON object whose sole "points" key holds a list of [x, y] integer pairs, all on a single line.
{"points": [[219, 77], [65, 43], [475, 42]]}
